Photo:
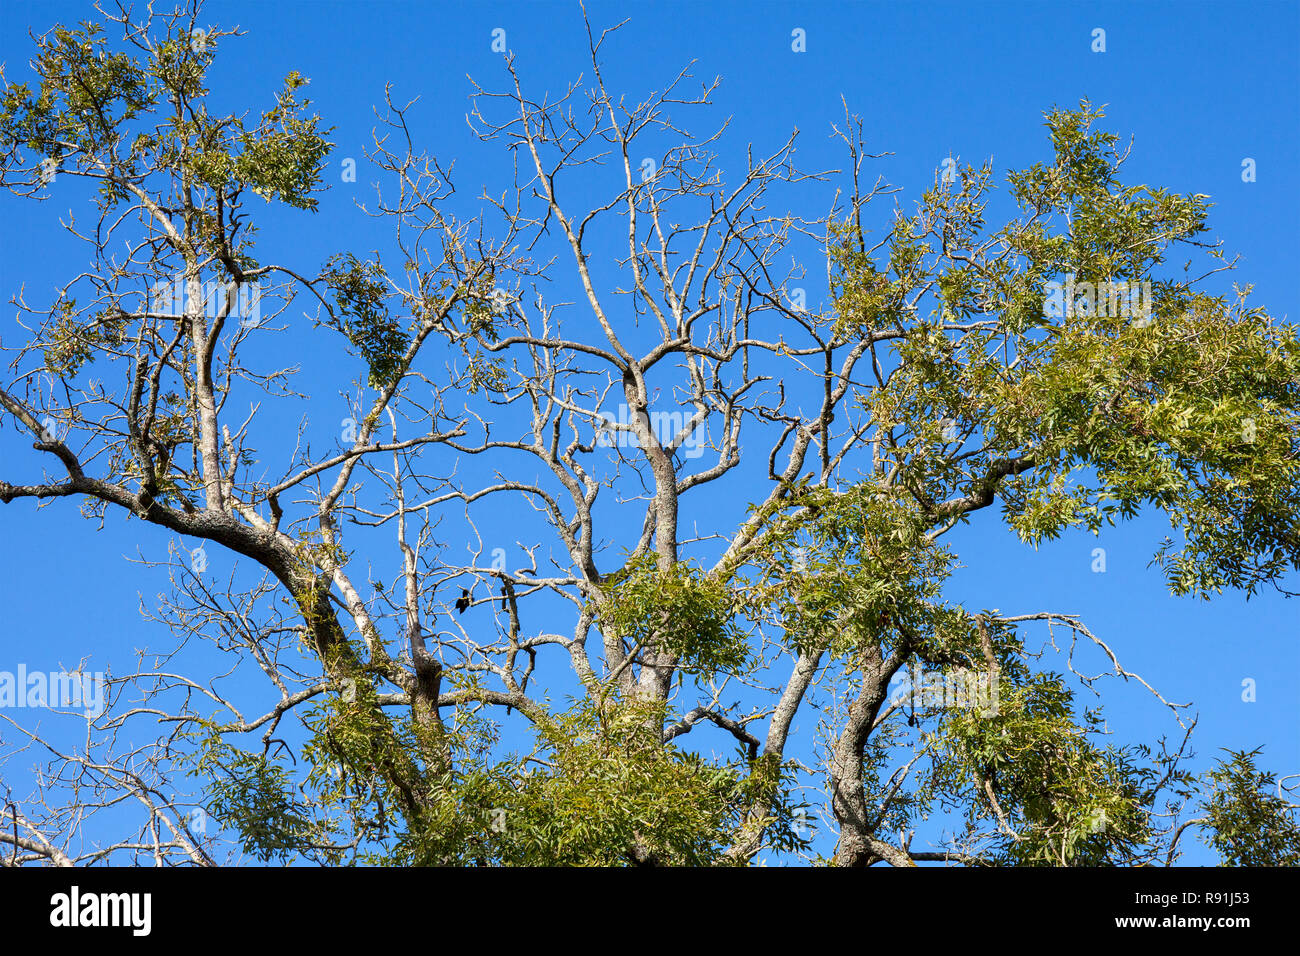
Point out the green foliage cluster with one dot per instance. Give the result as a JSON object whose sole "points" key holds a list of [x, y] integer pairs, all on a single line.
{"points": [[87, 93], [1249, 823], [1032, 781], [254, 796], [844, 567], [1193, 408], [356, 794], [360, 292], [598, 783], [1198, 416], [484, 310], [280, 158], [683, 611], [71, 342], [607, 782], [90, 101]]}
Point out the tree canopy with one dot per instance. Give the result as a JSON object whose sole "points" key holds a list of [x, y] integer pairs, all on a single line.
{"points": [[1051, 350]]}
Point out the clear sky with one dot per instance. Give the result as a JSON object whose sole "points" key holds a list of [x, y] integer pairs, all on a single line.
{"points": [[1200, 87]]}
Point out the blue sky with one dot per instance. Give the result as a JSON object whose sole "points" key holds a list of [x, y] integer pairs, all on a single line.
{"points": [[1201, 87]]}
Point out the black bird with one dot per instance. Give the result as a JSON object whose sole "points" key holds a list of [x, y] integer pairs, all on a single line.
{"points": [[462, 602]]}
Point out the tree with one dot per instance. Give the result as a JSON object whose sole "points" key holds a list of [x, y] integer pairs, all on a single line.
{"points": [[1054, 365]]}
